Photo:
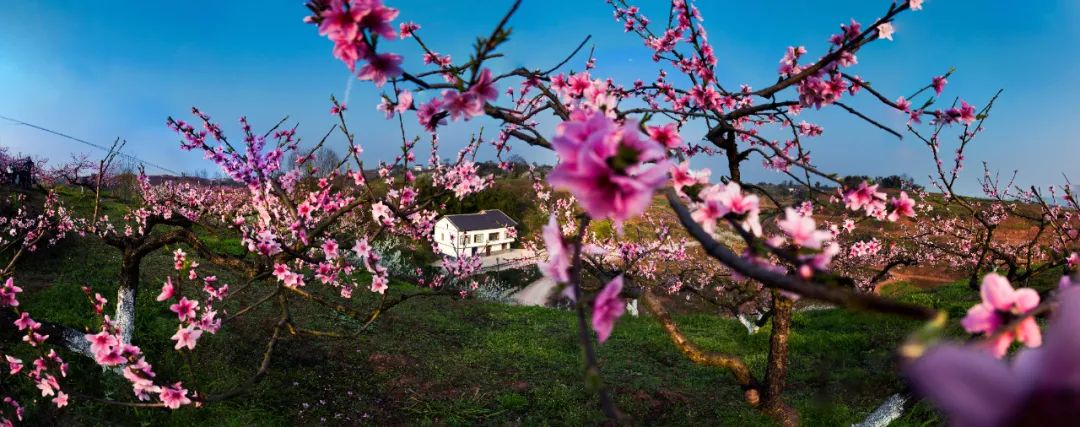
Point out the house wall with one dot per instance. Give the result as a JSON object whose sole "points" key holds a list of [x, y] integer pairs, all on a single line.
{"points": [[445, 236], [455, 243]]}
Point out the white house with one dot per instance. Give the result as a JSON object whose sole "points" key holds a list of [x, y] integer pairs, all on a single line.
{"points": [[485, 233]]}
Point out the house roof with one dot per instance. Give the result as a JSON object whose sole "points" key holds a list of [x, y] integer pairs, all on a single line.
{"points": [[483, 220]]}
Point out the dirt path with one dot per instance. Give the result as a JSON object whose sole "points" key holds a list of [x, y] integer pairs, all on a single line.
{"points": [[920, 278]]}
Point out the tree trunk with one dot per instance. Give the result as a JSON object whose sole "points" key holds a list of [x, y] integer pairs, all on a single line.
{"points": [[777, 365], [126, 294], [59, 335], [890, 410]]}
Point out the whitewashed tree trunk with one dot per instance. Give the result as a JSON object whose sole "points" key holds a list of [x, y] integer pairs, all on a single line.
{"points": [[76, 341], [750, 322], [890, 410], [125, 313]]}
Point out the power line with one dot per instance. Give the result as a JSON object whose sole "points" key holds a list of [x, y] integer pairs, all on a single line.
{"points": [[121, 154]]}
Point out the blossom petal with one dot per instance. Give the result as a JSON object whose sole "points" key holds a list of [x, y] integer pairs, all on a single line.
{"points": [[981, 318], [1026, 299], [970, 386], [997, 292], [1028, 333], [1060, 364]]}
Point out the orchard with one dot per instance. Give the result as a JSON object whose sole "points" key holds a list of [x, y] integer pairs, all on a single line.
{"points": [[646, 227]]}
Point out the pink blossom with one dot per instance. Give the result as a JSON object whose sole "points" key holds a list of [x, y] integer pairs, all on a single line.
{"points": [[362, 248], [915, 4], [338, 23], [25, 322], [902, 206], [175, 396], [903, 104], [865, 197], [407, 29], [1041, 387], [374, 17], [484, 88], [109, 357], [404, 102], [802, 230], [462, 105], [431, 114], [966, 113], [380, 67], [167, 290], [349, 51], [14, 365], [304, 210], [280, 270], [140, 375], [9, 293], [604, 165], [720, 200], [61, 399], [379, 283], [186, 337], [607, 308], [48, 385], [1068, 281], [330, 249], [293, 280], [557, 266], [939, 83], [682, 176], [185, 309], [1000, 303], [101, 341], [885, 31], [382, 213], [208, 322], [667, 135]]}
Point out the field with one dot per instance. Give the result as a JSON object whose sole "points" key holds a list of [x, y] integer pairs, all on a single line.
{"points": [[448, 361], [445, 361]]}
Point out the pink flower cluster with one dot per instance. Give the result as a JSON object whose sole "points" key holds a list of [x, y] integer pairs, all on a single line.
{"points": [[459, 104], [353, 26], [1000, 304], [1040, 387], [192, 325], [802, 230], [557, 265], [719, 201], [682, 177], [40, 375], [608, 308], [609, 167], [109, 350], [868, 198], [380, 278]]}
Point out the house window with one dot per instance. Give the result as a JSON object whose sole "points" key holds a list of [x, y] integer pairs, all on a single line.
{"points": [[493, 236], [477, 238]]}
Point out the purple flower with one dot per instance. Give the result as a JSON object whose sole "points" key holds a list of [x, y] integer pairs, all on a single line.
{"points": [[1040, 388]]}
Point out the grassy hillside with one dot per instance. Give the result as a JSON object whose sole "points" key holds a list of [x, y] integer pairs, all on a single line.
{"points": [[455, 362]]}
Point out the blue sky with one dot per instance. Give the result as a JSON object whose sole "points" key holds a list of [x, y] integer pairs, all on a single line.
{"points": [[100, 70]]}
